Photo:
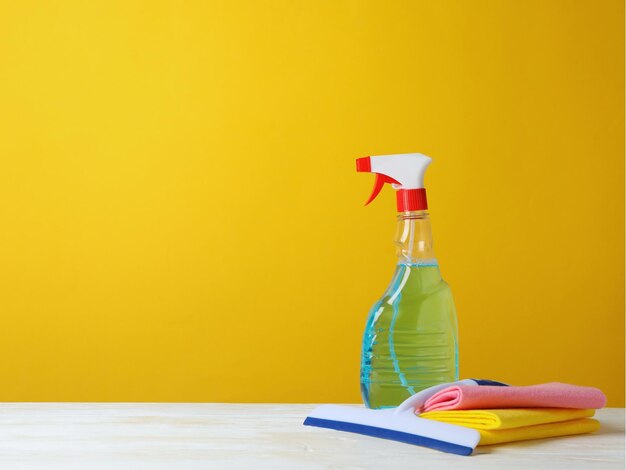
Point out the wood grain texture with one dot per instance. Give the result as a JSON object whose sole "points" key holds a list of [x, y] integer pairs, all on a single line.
{"points": [[267, 436]]}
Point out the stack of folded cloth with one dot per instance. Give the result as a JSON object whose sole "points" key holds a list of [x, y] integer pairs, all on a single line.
{"points": [[506, 414]]}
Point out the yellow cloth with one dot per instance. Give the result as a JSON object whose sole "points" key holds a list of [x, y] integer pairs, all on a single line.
{"points": [[539, 431], [507, 418], [519, 424]]}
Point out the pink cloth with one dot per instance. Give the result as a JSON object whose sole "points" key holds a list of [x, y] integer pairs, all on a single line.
{"points": [[550, 395]]}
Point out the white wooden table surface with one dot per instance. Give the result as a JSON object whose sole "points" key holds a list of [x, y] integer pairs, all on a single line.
{"points": [[226, 436]]}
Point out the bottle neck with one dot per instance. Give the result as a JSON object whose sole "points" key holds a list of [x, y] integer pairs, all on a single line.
{"points": [[414, 240]]}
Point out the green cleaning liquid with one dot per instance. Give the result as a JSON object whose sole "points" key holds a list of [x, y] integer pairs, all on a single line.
{"points": [[410, 340]]}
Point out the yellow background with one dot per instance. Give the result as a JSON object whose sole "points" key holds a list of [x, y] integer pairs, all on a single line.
{"points": [[182, 220]]}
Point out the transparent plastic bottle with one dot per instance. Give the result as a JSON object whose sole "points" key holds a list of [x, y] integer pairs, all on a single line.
{"points": [[411, 339]]}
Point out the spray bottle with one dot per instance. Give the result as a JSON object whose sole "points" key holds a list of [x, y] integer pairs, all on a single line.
{"points": [[410, 341]]}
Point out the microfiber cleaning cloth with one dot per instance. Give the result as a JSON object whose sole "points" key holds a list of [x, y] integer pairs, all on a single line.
{"points": [[507, 418], [550, 395], [539, 431]]}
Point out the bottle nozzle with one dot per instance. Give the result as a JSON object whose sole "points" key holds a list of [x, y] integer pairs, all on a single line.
{"points": [[363, 165], [405, 172]]}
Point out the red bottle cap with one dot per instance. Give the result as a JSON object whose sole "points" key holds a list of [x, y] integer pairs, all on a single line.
{"points": [[408, 200]]}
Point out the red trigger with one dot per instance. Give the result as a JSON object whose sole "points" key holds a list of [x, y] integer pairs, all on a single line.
{"points": [[378, 185]]}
